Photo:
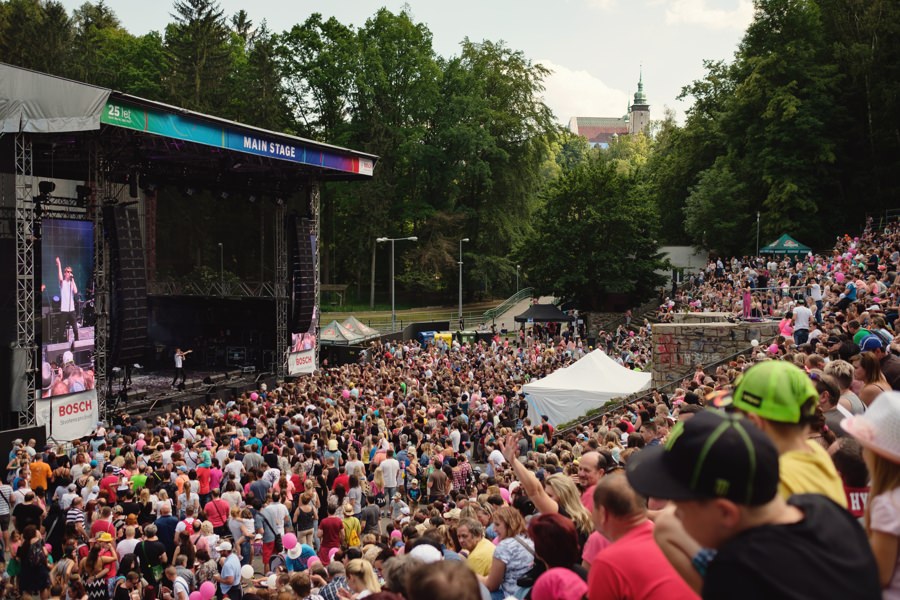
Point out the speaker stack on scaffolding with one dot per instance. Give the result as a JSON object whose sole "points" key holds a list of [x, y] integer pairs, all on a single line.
{"points": [[303, 274], [128, 326]]}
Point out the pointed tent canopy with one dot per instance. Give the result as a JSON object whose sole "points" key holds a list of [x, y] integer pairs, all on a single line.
{"points": [[353, 324], [336, 334], [590, 382], [543, 313], [785, 245]]}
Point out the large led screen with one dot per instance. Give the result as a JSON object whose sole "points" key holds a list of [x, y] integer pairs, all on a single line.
{"points": [[67, 307]]}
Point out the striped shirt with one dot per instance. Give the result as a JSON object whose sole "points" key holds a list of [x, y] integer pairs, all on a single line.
{"points": [[75, 515], [6, 499]]}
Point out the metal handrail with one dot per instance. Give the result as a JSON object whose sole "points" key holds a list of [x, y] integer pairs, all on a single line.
{"points": [[493, 313]]}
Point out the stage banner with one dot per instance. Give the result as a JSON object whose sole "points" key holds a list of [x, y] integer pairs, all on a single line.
{"points": [[69, 417], [301, 362]]}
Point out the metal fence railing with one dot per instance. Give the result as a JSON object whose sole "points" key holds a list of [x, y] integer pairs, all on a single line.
{"points": [[490, 315]]}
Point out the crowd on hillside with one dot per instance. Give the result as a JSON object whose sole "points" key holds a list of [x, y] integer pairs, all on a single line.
{"points": [[419, 473]]}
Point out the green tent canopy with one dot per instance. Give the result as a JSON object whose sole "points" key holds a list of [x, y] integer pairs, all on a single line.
{"points": [[785, 245]]}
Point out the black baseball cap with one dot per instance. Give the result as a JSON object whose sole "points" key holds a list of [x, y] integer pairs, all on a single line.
{"points": [[712, 455]]}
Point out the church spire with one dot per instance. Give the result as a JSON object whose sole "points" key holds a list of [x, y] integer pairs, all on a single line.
{"points": [[640, 98]]}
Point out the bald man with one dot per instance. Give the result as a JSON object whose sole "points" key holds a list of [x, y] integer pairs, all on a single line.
{"points": [[591, 467]]}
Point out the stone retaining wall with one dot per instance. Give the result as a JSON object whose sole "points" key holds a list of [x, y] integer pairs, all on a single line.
{"points": [[679, 347]]}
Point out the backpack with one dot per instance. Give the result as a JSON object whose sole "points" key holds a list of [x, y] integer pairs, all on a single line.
{"points": [[351, 534]]}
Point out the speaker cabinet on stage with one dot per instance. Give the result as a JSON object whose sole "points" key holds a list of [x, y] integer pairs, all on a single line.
{"points": [[56, 328], [303, 274], [128, 318]]}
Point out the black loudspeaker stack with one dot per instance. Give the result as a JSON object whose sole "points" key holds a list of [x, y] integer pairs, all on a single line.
{"points": [[128, 317], [303, 274]]}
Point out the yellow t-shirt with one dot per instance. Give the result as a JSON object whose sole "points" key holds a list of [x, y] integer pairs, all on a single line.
{"points": [[480, 558], [810, 472]]}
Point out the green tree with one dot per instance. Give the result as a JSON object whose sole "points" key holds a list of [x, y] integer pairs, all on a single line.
{"points": [[595, 235], [198, 46], [36, 35], [318, 61], [718, 211]]}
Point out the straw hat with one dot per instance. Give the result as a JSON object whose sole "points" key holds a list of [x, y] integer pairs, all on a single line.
{"points": [[878, 429], [348, 510]]}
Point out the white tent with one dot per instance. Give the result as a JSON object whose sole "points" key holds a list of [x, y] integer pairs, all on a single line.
{"points": [[568, 393]]}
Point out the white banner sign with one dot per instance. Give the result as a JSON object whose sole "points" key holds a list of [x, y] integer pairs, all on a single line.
{"points": [[68, 417], [301, 362]]}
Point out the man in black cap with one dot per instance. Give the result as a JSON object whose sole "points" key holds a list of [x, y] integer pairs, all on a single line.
{"points": [[731, 534]]}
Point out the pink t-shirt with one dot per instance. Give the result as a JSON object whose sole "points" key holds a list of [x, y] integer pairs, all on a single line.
{"points": [[594, 544], [885, 517]]}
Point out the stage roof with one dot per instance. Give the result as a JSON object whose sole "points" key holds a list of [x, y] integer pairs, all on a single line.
{"points": [[151, 133]]}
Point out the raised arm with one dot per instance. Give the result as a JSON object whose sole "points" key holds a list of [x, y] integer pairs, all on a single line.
{"points": [[59, 269], [533, 488]]}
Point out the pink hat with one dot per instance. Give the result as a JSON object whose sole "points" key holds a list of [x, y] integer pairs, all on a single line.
{"points": [[396, 534], [559, 584], [878, 429]]}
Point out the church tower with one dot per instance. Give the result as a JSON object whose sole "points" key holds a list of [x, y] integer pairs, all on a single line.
{"points": [[640, 109]]}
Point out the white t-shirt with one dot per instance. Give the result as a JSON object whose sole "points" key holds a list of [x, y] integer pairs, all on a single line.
{"points": [[495, 460], [66, 296], [179, 360], [802, 316], [126, 546], [390, 468], [815, 291]]}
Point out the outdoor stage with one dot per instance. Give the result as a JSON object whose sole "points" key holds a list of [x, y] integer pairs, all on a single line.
{"points": [[151, 393], [92, 181]]}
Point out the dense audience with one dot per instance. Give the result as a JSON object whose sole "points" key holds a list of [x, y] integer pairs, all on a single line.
{"points": [[419, 472]]}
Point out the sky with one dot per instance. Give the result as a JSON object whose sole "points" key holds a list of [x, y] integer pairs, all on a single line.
{"points": [[595, 48]]}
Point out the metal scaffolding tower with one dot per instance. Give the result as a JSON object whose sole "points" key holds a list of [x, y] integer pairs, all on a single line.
{"points": [[26, 297], [314, 201], [282, 298]]}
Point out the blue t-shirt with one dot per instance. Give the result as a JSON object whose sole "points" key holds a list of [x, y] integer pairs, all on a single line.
{"points": [[231, 568]]}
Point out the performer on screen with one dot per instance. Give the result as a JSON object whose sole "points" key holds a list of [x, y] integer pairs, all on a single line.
{"points": [[67, 291], [179, 365]]}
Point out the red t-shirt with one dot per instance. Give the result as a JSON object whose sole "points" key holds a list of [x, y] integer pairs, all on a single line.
{"points": [[342, 480], [203, 479], [110, 483], [102, 525], [634, 567], [217, 512], [857, 500], [332, 528]]}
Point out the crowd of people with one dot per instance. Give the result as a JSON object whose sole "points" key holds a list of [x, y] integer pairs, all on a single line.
{"points": [[419, 472]]}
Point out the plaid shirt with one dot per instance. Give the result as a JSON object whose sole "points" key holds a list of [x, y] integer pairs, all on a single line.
{"points": [[330, 591], [461, 476]]}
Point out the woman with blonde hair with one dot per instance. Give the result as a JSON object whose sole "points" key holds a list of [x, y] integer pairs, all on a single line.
{"points": [[361, 578], [557, 495], [513, 555], [868, 371]]}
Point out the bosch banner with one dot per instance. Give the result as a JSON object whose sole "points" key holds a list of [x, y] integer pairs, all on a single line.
{"points": [[69, 417]]}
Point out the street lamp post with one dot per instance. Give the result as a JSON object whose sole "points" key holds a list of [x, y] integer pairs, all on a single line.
{"points": [[392, 240], [757, 233], [517, 278], [222, 267], [460, 280]]}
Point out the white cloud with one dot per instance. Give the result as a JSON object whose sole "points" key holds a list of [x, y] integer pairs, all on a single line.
{"points": [[697, 12], [601, 4], [572, 93]]}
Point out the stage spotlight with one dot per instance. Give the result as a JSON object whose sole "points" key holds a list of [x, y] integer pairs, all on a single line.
{"points": [[189, 191], [279, 201], [46, 188], [223, 195], [251, 198]]}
